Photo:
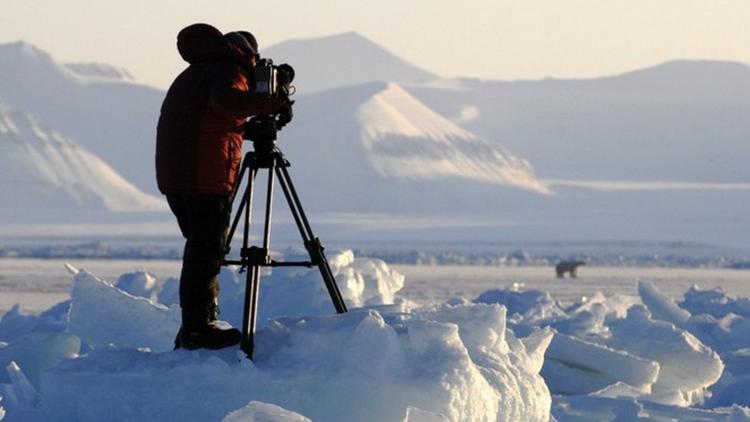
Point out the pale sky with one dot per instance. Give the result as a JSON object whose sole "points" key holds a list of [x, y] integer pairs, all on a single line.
{"points": [[517, 39]]}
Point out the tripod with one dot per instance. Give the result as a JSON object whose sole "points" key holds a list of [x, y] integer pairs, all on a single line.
{"points": [[254, 257]]}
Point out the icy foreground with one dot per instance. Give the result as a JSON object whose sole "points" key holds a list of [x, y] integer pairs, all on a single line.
{"points": [[106, 355], [612, 359], [510, 355]]}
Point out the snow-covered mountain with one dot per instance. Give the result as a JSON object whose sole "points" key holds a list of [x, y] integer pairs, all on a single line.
{"points": [[342, 60], [96, 105], [40, 168], [405, 139], [681, 121], [387, 132], [655, 154], [375, 148], [99, 72]]}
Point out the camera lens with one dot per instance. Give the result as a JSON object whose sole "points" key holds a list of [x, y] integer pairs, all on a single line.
{"points": [[285, 74]]}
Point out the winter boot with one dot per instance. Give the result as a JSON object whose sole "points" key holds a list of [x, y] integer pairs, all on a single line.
{"points": [[210, 336], [204, 331]]}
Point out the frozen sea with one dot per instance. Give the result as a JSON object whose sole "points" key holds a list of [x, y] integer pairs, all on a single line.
{"points": [[37, 284]]}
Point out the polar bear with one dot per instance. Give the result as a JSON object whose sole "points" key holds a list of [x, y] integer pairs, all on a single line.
{"points": [[570, 267]]}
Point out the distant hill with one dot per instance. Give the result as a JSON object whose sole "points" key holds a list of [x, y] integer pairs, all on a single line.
{"points": [[342, 60], [683, 77], [679, 121], [99, 72], [114, 118], [375, 147], [405, 139], [41, 169]]}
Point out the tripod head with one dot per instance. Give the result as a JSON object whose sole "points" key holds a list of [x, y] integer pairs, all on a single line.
{"points": [[262, 129]]}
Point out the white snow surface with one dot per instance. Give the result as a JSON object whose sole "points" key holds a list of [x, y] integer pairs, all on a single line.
{"points": [[41, 168], [264, 412], [510, 355]]}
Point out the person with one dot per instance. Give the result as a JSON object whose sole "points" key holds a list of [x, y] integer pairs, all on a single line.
{"points": [[198, 154]]}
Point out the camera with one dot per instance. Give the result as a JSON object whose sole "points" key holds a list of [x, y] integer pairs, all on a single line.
{"points": [[274, 80]]}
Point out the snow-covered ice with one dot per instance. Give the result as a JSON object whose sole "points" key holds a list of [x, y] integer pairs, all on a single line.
{"points": [[386, 359], [508, 355], [264, 412], [614, 359]]}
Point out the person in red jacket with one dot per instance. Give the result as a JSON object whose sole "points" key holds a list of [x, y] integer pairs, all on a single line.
{"points": [[198, 155]]}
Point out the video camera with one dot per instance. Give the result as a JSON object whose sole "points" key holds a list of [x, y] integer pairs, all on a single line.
{"points": [[275, 81]]}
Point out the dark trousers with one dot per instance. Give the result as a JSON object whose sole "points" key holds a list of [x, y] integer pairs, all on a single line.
{"points": [[204, 222]]}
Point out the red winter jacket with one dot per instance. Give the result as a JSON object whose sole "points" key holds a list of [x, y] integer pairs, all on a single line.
{"points": [[199, 134]]}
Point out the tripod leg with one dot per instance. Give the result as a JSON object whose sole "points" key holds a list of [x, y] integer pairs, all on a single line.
{"points": [[246, 204], [315, 249], [312, 243], [249, 207], [251, 310], [251, 282], [252, 287]]}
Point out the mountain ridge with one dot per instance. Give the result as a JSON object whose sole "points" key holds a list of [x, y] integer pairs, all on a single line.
{"points": [[115, 120], [342, 59], [600, 143], [41, 168], [406, 139]]}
